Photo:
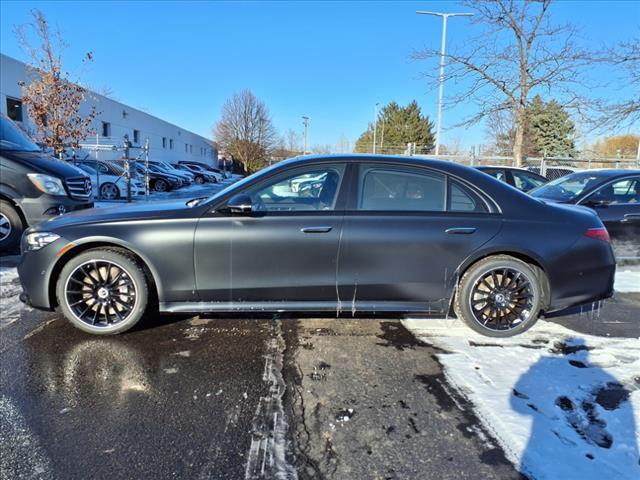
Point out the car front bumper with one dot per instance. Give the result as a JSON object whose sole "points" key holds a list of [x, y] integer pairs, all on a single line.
{"points": [[37, 210]]}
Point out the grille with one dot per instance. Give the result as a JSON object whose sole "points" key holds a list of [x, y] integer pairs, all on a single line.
{"points": [[79, 187]]}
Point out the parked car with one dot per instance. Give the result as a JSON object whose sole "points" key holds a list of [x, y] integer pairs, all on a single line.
{"points": [[107, 185], [34, 186], [158, 181], [186, 177], [421, 236], [201, 175], [615, 196], [516, 177], [199, 166]]}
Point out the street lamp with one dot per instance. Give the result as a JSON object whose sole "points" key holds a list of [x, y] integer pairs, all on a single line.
{"points": [[444, 16], [375, 126], [305, 121]]}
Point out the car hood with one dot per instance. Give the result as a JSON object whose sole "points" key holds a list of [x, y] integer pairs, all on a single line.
{"points": [[43, 163], [117, 213]]}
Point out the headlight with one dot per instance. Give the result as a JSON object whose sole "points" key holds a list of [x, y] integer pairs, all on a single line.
{"points": [[47, 183], [37, 240]]}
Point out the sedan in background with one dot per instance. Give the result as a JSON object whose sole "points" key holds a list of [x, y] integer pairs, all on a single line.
{"points": [[108, 186], [516, 177], [614, 194], [209, 168], [379, 234], [201, 174]]}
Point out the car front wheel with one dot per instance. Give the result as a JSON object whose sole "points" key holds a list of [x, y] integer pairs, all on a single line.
{"points": [[199, 180], [499, 296], [10, 226], [102, 291], [109, 191], [161, 185]]}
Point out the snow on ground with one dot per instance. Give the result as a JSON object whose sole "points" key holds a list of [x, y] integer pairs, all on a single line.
{"points": [[627, 279], [561, 404], [10, 305]]}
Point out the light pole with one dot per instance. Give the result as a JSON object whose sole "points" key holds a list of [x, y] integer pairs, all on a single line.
{"points": [[444, 16], [375, 126], [305, 121]]}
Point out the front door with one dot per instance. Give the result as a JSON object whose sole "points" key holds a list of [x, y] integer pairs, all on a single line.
{"points": [[282, 254], [408, 231]]}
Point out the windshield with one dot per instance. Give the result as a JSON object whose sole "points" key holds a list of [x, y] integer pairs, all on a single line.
{"points": [[567, 188], [12, 138], [90, 170]]}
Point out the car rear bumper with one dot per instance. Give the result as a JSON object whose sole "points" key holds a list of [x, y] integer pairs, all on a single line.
{"points": [[585, 274]]}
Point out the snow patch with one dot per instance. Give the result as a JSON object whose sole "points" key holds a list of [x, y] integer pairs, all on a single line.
{"points": [[561, 404], [10, 289], [628, 279]]}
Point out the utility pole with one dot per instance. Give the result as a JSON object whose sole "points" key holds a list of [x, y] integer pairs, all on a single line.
{"points": [[375, 126], [305, 121], [444, 16]]}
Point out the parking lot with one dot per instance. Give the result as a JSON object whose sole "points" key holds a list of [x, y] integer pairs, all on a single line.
{"points": [[269, 397]]}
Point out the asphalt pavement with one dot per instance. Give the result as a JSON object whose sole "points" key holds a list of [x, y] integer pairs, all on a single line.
{"points": [[232, 398]]}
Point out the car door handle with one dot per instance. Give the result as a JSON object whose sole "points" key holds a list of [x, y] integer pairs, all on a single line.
{"points": [[631, 217], [316, 229], [460, 230]]}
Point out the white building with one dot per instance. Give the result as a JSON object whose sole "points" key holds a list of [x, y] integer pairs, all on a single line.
{"points": [[167, 142]]}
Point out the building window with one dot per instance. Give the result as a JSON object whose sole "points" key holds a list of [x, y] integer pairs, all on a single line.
{"points": [[164, 142], [106, 129], [190, 148], [14, 109], [186, 148], [136, 136], [171, 144]]}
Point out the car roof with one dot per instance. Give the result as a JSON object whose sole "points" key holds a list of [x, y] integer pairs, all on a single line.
{"points": [[611, 172]]}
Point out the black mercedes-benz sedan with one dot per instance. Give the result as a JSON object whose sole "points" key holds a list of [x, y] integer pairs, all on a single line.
{"points": [[614, 194], [343, 234]]}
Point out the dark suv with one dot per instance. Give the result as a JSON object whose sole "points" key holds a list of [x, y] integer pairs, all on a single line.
{"points": [[33, 185]]}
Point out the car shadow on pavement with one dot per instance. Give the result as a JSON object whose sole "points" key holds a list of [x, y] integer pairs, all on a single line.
{"points": [[582, 422]]}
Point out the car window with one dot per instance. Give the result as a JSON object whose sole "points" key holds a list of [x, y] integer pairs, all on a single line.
{"points": [[391, 189], [496, 173], [525, 181], [461, 199], [314, 189], [617, 193], [568, 188]]}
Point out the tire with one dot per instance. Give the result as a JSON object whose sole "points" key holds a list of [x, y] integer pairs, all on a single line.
{"points": [[161, 185], [499, 296], [92, 302], [11, 226], [199, 180], [109, 191]]}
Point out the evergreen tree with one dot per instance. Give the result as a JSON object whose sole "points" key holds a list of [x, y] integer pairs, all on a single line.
{"points": [[397, 126], [550, 129]]}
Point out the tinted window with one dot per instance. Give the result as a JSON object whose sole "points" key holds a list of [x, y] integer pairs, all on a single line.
{"points": [[525, 181], [565, 189], [390, 189], [620, 192], [303, 190], [461, 199]]}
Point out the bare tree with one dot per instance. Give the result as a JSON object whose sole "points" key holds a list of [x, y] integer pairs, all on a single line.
{"points": [[52, 100], [519, 53], [293, 141], [245, 130], [343, 145], [622, 114]]}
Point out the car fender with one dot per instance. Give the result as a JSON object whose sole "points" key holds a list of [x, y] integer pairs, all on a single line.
{"points": [[115, 242]]}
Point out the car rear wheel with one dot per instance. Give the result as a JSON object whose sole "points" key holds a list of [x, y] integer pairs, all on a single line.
{"points": [[11, 226], [161, 185], [102, 291], [500, 296], [109, 191]]}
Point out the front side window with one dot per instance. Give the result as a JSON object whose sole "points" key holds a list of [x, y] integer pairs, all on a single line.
{"points": [[385, 188], [618, 193], [525, 181], [308, 190]]}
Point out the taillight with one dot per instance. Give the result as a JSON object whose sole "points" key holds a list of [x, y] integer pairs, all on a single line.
{"points": [[598, 233]]}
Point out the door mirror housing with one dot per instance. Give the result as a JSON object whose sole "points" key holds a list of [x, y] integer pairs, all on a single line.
{"points": [[240, 204]]}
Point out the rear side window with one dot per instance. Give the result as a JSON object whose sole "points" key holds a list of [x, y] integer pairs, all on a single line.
{"points": [[496, 173], [462, 199], [385, 188]]}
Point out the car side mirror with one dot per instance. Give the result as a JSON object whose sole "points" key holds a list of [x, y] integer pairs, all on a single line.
{"points": [[595, 203], [240, 204]]}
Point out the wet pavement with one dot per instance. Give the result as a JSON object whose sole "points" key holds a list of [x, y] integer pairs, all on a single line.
{"points": [[236, 398]]}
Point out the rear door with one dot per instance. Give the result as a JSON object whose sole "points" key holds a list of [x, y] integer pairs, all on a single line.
{"points": [[618, 206], [405, 233]]}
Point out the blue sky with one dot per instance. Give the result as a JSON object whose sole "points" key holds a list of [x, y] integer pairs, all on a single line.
{"points": [[331, 61]]}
